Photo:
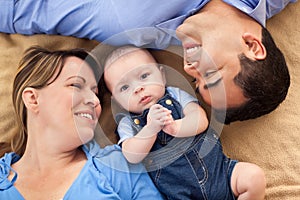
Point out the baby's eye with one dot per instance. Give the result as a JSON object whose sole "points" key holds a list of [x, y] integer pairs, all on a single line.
{"points": [[124, 87], [143, 76]]}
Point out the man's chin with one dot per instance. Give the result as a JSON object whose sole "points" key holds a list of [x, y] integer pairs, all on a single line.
{"points": [[214, 104]]}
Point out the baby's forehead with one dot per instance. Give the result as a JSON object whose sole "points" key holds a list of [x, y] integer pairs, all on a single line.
{"points": [[129, 54], [124, 66], [122, 71]]}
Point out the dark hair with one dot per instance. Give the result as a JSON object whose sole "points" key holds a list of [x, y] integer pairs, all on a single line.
{"points": [[264, 82]]}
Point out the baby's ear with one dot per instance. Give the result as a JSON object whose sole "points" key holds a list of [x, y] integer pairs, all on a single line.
{"points": [[30, 96], [163, 73]]}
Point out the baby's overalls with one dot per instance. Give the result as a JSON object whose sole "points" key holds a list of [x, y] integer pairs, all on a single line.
{"points": [[187, 168]]}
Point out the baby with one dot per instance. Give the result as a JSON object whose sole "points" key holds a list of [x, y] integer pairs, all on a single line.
{"points": [[167, 129]]}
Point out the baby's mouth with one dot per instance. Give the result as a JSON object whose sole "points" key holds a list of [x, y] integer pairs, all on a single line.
{"points": [[145, 99]]}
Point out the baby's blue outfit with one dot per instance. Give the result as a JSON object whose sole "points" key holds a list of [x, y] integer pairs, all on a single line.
{"points": [[106, 175], [186, 168]]}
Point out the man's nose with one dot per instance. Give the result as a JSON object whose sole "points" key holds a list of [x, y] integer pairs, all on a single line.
{"points": [[192, 70]]}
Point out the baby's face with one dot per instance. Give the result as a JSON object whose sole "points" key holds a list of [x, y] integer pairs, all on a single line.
{"points": [[135, 81]]}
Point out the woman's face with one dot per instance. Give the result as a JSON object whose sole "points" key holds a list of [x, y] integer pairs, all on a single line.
{"points": [[69, 106]]}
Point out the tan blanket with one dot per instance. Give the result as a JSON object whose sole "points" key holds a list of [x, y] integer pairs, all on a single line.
{"points": [[271, 141]]}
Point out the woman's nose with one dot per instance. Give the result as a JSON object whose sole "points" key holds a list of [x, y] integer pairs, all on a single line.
{"points": [[92, 99]]}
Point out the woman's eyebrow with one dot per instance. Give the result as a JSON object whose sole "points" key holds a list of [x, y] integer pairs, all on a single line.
{"points": [[80, 77]]}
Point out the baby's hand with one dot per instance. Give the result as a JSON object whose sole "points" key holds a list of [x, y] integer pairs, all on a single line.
{"points": [[157, 117], [170, 126]]}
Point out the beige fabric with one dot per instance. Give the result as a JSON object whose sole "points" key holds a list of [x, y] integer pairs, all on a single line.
{"points": [[272, 141]]}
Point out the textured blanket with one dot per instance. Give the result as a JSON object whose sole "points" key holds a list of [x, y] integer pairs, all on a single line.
{"points": [[271, 141]]}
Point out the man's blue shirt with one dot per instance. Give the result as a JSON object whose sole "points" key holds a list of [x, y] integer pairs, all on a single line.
{"points": [[102, 19]]}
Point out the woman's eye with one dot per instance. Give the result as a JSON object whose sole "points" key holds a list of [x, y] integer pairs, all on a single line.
{"points": [[76, 85], [145, 75], [96, 92], [124, 87]]}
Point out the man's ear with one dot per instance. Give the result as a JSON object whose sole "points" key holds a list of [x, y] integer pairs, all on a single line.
{"points": [[256, 49], [163, 73], [30, 99]]}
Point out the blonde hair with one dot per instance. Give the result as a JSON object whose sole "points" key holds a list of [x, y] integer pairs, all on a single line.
{"points": [[37, 67], [122, 51]]}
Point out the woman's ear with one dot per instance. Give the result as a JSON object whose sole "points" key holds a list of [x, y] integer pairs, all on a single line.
{"points": [[30, 99], [163, 73], [255, 48]]}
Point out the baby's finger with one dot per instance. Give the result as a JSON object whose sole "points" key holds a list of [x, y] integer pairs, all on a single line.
{"points": [[166, 119], [159, 111], [156, 107], [167, 110], [168, 122]]}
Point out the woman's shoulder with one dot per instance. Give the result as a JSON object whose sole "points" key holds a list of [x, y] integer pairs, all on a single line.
{"points": [[7, 160], [5, 168], [95, 150], [110, 164], [110, 159]]}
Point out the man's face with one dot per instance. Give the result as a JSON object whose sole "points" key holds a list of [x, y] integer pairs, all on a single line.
{"points": [[211, 51]]}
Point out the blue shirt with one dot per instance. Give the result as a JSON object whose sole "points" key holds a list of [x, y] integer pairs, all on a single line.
{"points": [[101, 19], [106, 175]]}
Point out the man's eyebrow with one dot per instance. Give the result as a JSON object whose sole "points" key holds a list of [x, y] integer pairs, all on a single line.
{"points": [[212, 84]]}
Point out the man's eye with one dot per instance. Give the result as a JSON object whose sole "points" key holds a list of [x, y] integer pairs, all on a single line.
{"points": [[209, 73], [124, 87], [145, 75]]}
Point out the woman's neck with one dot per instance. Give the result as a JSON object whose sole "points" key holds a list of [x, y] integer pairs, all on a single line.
{"points": [[44, 159]]}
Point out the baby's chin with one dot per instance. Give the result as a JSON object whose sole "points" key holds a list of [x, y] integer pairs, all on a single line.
{"points": [[148, 105], [141, 110]]}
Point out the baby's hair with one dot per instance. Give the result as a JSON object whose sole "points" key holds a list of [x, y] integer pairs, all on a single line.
{"points": [[122, 51]]}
